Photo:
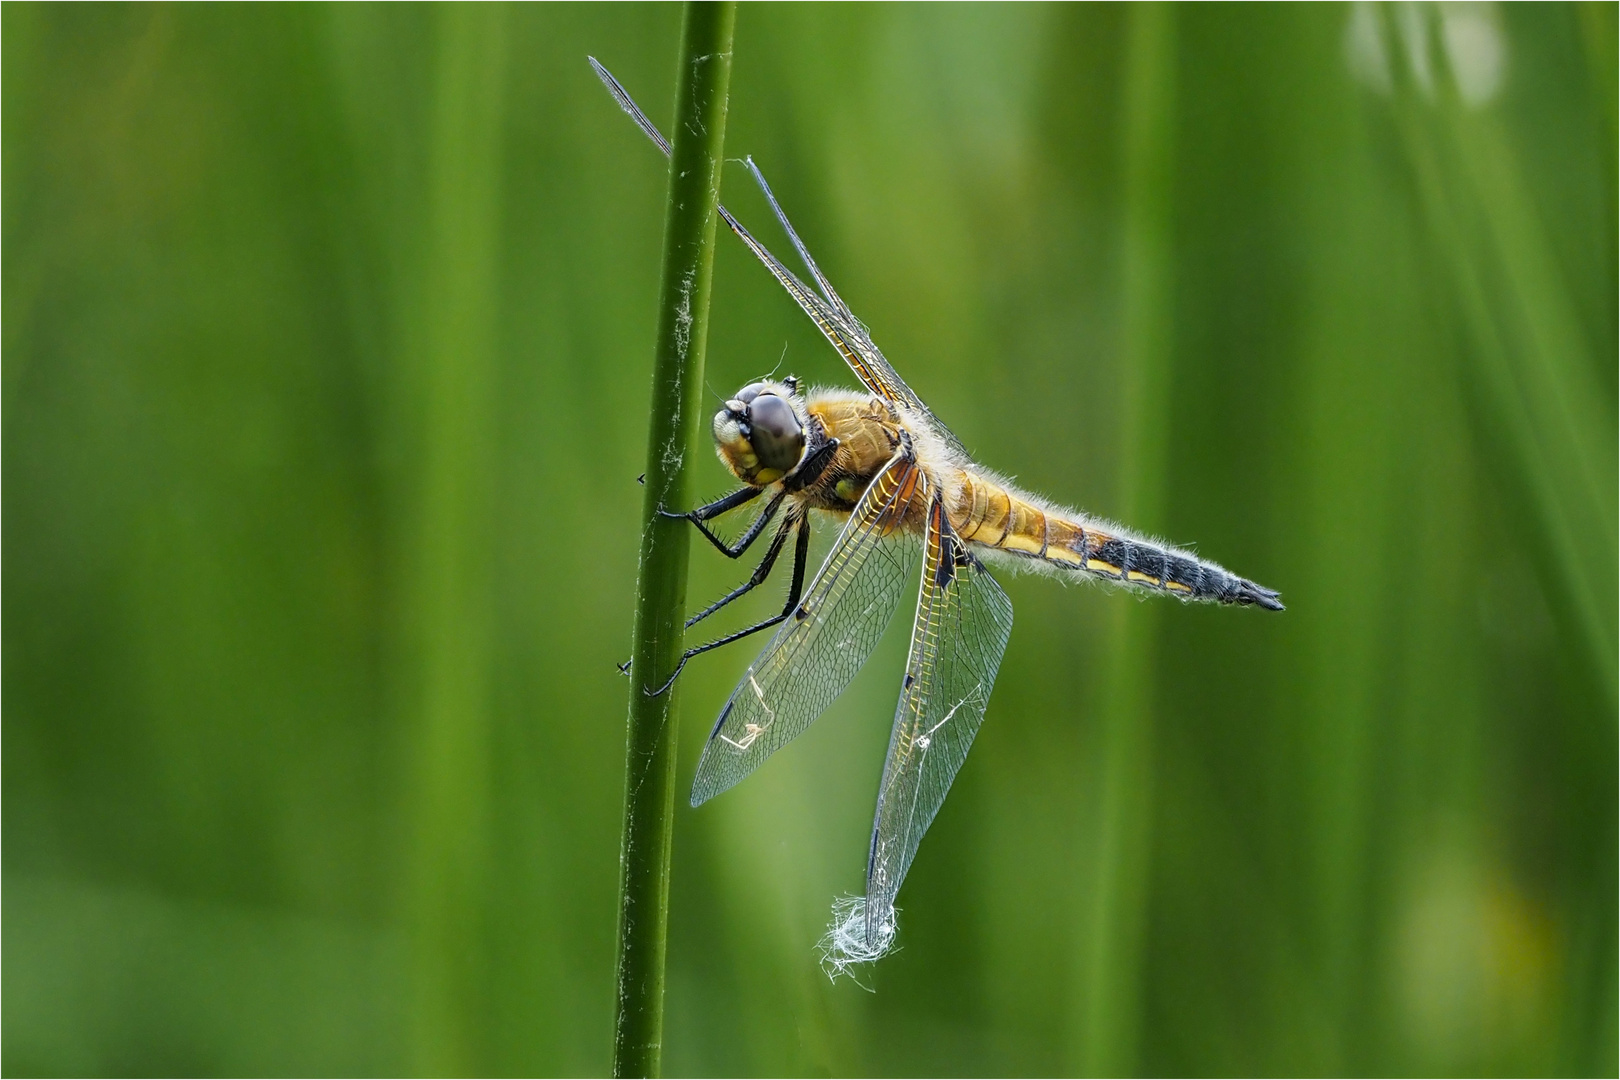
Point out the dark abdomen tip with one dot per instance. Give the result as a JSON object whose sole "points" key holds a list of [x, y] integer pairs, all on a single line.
{"points": [[1247, 592]]}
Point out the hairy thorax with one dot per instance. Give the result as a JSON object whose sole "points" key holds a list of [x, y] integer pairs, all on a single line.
{"points": [[982, 509], [868, 433]]}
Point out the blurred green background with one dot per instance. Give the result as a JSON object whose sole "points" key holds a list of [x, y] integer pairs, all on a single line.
{"points": [[327, 343]]}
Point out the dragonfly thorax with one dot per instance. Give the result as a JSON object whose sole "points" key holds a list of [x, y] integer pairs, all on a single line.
{"points": [[760, 433]]}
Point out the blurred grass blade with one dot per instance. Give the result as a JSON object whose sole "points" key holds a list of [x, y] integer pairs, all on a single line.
{"points": [[1540, 413], [683, 324], [1111, 1010], [451, 602]]}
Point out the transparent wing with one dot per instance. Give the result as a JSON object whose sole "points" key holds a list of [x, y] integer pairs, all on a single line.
{"points": [[836, 321], [818, 650], [963, 622], [825, 307]]}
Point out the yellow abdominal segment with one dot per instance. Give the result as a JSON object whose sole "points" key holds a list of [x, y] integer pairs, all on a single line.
{"points": [[991, 514], [987, 513]]}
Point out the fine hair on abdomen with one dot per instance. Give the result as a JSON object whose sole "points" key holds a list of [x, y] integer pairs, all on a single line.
{"points": [[1000, 520]]}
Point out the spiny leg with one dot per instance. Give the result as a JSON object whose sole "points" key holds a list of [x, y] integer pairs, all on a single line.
{"points": [[731, 502], [757, 578], [715, 509], [801, 554]]}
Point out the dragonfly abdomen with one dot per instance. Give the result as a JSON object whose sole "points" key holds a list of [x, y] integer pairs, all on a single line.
{"points": [[994, 516]]}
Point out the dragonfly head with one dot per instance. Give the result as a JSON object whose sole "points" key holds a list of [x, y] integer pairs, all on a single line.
{"points": [[760, 432]]}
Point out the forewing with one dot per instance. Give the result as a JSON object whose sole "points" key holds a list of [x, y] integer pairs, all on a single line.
{"points": [[825, 307], [846, 335], [963, 622], [819, 648], [829, 311], [834, 318]]}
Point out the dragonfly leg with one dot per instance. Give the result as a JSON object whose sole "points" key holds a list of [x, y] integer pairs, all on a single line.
{"points": [[718, 507], [801, 552], [757, 578], [715, 509], [731, 502]]}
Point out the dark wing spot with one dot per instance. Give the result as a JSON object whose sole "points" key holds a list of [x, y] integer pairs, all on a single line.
{"points": [[720, 723], [950, 558]]}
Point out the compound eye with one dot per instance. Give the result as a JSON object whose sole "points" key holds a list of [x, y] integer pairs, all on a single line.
{"points": [[750, 392], [777, 437]]}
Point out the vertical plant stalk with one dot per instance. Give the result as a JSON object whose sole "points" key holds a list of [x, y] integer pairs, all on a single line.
{"points": [[1111, 1011], [683, 325]]}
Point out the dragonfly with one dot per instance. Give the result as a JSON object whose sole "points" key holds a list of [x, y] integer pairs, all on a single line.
{"points": [[904, 491]]}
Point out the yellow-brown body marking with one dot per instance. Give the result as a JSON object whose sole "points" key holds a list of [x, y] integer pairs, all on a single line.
{"points": [[868, 431], [992, 515]]}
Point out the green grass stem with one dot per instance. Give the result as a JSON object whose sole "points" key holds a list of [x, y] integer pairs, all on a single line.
{"points": [[683, 323]]}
